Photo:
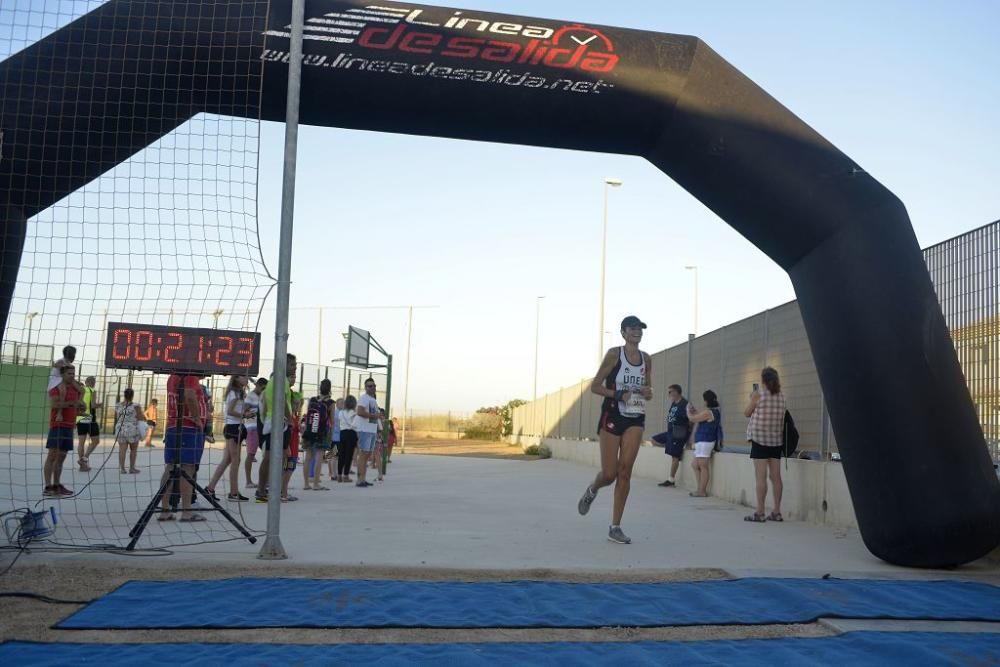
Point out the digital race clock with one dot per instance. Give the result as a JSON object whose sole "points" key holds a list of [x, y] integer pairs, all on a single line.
{"points": [[169, 349]]}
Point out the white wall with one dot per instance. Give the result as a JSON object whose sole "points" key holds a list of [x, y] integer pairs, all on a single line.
{"points": [[808, 484]]}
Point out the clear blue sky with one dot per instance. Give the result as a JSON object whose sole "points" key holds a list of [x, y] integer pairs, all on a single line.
{"points": [[909, 90]]}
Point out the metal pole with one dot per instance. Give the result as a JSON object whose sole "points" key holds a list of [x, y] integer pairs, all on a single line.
{"points": [[406, 395], [273, 549], [319, 352], [538, 309], [696, 301], [690, 364], [604, 259], [388, 414]]}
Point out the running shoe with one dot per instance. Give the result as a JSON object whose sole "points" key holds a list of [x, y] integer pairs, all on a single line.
{"points": [[261, 499], [615, 534], [236, 498], [51, 492], [584, 505], [63, 491]]}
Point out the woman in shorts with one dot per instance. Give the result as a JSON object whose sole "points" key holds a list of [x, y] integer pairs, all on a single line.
{"points": [[127, 417], [706, 436], [234, 433], [625, 381], [766, 411]]}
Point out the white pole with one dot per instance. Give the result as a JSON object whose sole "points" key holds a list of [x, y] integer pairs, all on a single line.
{"points": [[604, 259], [406, 391], [272, 548], [319, 351]]}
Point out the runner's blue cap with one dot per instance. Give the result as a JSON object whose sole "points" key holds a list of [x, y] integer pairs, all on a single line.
{"points": [[633, 321]]}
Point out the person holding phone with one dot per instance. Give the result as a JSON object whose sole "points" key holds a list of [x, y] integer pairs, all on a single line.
{"points": [[766, 411], [624, 379]]}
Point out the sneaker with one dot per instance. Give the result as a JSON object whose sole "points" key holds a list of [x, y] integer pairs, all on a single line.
{"points": [[615, 534], [363, 484], [260, 499], [584, 505], [63, 491], [667, 483], [236, 498], [50, 492], [251, 485]]}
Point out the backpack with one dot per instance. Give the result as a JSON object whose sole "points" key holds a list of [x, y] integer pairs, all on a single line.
{"points": [[719, 437], [791, 439], [317, 418]]}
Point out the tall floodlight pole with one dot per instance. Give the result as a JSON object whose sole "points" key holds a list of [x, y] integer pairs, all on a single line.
{"points": [[695, 269], [273, 549], [406, 394], [538, 311], [608, 184], [31, 318]]}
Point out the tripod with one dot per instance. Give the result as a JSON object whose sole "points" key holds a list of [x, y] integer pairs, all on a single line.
{"points": [[176, 474]]}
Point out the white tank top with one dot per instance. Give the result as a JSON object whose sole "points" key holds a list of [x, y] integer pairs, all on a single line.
{"points": [[631, 378]]}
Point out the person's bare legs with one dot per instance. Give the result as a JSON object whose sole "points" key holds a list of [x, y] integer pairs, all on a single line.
{"points": [[122, 448], [623, 480], [777, 486], [248, 468], [609, 444], [165, 500], [48, 470], [186, 490], [704, 475], [133, 453], [263, 473], [362, 466], [234, 466], [760, 472], [57, 467], [221, 468]]}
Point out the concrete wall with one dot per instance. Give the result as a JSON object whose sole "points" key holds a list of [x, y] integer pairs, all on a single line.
{"points": [[815, 491]]}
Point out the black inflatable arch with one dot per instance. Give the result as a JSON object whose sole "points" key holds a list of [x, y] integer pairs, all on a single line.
{"points": [[95, 92]]}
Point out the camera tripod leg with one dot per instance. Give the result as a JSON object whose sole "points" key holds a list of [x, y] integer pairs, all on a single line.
{"points": [[219, 508], [152, 508]]}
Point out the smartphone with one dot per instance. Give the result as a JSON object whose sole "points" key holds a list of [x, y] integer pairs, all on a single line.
{"points": [[756, 387]]}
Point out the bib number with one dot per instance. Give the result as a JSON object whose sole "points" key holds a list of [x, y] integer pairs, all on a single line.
{"points": [[635, 406]]}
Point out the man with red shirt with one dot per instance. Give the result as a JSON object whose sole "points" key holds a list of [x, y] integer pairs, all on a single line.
{"points": [[185, 439], [64, 400]]}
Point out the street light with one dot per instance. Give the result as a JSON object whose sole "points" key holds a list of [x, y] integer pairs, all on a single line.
{"points": [[538, 309], [695, 269], [30, 317], [217, 314], [608, 183]]}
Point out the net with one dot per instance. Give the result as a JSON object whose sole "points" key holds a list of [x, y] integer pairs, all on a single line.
{"points": [[169, 236]]}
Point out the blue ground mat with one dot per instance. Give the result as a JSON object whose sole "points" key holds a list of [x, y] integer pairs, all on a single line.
{"points": [[854, 648], [311, 603]]}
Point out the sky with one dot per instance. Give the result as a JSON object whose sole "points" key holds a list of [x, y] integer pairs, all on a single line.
{"points": [[908, 90]]}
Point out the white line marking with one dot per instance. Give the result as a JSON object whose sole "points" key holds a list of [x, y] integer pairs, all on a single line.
{"points": [[345, 24], [365, 13], [319, 38], [402, 12], [369, 19], [338, 31]]}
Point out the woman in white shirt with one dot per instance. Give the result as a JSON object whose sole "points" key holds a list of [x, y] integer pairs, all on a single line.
{"points": [[348, 438], [235, 433], [127, 417]]}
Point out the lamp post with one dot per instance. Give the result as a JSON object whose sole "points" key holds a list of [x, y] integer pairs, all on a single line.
{"points": [[695, 269], [30, 317], [216, 315], [608, 183], [538, 309]]}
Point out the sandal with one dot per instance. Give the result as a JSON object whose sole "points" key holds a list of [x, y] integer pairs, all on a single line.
{"points": [[695, 494], [133, 471], [166, 517], [194, 518], [775, 516], [84, 465], [755, 518]]}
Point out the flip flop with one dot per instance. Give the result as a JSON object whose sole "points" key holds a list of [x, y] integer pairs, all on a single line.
{"points": [[755, 518], [166, 517], [194, 518], [775, 517]]}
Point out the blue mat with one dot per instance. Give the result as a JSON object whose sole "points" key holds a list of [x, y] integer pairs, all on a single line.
{"points": [[310, 603], [853, 648]]}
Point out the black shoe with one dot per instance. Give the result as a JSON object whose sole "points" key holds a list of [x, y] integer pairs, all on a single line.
{"points": [[667, 483], [237, 498]]}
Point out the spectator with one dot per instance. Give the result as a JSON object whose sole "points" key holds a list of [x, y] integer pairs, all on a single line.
{"points": [[184, 440], [367, 426], [706, 437], [348, 439], [127, 418], [86, 424], [253, 426], [152, 415], [380, 454], [64, 401], [766, 411], [335, 440], [55, 373], [678, 432], [317, 436], [234, 434], [267, 406], [393, 430]]}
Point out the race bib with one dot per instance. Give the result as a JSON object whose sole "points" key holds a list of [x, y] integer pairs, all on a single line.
{"points": [[635, 406]]}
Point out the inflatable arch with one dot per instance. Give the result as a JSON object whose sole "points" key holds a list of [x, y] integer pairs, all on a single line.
{"points": [[95, 92]]}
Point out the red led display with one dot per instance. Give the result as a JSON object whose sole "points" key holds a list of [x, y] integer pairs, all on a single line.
{"points": [[182, 349]]}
